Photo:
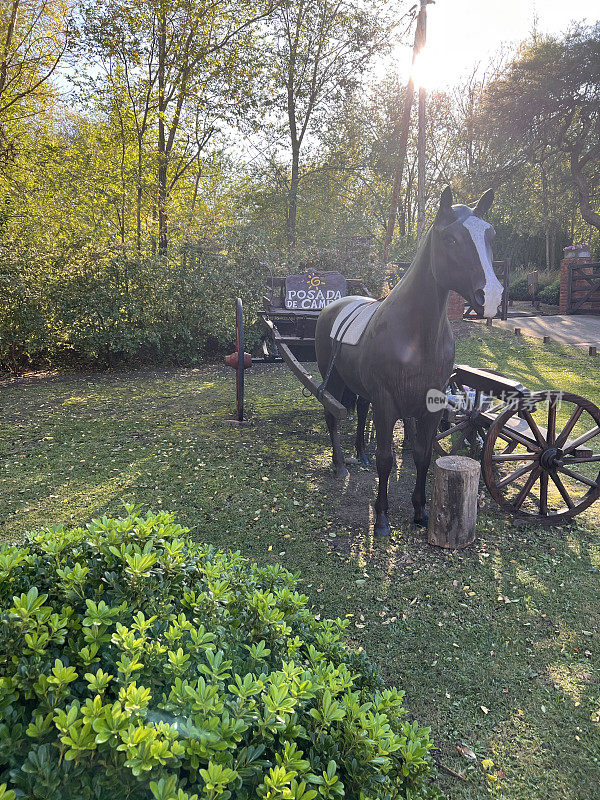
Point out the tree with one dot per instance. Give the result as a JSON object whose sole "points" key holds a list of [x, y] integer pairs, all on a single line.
{"points": [[179, 65], [33, 38], [547, 102], [320, 50]]}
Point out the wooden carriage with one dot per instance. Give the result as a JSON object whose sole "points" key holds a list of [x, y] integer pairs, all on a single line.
{"points": [[545, 471]]}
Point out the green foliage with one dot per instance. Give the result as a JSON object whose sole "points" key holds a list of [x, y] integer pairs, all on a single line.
{"points": [[548, 287], [97, 308], [136, 661], [545, 104], [518, 288], [551, 293]]}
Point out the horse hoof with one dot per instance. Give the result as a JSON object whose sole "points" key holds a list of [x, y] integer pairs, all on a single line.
{"points": [[422, 520], [341, 472], [364, 460], [382, 528]]}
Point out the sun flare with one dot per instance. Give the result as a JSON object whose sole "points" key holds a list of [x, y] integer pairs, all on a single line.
{"points": [[426, 71]]}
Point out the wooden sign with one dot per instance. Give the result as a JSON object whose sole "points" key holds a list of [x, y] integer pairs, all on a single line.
{"points": [[313, 290]]}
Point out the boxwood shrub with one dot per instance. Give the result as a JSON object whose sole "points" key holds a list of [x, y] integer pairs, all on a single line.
{"points": [[139, 664], [518, 289], [551, 293]]}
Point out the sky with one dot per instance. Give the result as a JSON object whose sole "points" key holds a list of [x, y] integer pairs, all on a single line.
{"points": [[461, 33]]}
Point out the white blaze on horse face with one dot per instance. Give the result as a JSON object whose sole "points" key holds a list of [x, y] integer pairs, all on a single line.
{"points": [[493, 288]]}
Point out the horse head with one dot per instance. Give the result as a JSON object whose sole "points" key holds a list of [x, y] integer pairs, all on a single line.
{"points": [[462, 252]]}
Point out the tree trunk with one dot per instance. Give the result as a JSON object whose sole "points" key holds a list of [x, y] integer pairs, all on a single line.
{"points": [[403, 142], [399, 171], [7, 45], [453, 512], [138, 203], [421, 164], [421, 131], [545, 214], [583, 193], [162, 154], [292, 210]]}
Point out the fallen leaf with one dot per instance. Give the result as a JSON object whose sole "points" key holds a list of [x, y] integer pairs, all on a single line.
{"points": [[466, 751]]}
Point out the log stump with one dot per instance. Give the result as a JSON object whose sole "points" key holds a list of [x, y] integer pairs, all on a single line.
{"points": [[453, 512]]}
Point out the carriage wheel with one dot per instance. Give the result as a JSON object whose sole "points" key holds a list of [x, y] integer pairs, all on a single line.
{"points": [[541, 458], [239, 372], [461, 426]]}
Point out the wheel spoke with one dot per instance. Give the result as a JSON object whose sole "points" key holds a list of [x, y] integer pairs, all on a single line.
{"points": [[544, 494], [561, 488], [457, 445], [514, 475], [579, 477], [507, 435], [519, 499], [582, 459], [449, 431], [534, 428], [585, 437], [514, 456], [551, 434], [569, 426]]}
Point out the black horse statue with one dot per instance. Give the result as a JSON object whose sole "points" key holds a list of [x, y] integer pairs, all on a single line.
{"points": [[407, 348]]}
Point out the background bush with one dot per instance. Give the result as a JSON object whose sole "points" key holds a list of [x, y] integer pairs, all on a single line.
{"points": [[548, 286], [137, 664], [551, 293], [94, 307], [518, 288]]}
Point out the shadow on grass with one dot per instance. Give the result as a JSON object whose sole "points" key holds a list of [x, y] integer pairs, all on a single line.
{"points": [[497, 646]]}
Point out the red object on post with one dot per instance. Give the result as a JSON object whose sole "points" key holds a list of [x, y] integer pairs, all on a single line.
{"points": [[233, 360]]}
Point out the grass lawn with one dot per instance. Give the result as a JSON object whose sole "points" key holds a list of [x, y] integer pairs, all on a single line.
{"points": [[497, 647]]}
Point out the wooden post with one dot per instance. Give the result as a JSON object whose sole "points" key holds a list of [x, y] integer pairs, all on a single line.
{"points": [[489, 322], [453, 511], [546, 339], [593, 350]]}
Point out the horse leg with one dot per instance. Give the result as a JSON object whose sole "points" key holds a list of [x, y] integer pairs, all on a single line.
{"points": [[385, 420], [337, 454], [426, 428], [408, 442], [362, 409]]}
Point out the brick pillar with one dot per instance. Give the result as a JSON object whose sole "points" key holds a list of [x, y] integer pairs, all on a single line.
{"points": [[456, 306], [564, 280]]}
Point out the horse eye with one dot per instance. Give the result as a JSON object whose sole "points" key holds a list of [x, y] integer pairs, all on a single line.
{"points": [[450, 241]]}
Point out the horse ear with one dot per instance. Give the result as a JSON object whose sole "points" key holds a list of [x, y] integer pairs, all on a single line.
{"points": [[446, 200], [484, 204], [445, 204]]}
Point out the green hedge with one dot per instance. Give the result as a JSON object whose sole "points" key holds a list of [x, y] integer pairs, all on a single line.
{"points": [[518, 289], [548, 289], [138, 664], [550, 294]]}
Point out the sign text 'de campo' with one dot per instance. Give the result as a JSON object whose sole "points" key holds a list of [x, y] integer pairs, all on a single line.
{"points": [[313, 291]]}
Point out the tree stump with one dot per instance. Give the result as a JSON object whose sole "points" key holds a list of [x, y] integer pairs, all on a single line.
{"points": [[453, 512]]}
